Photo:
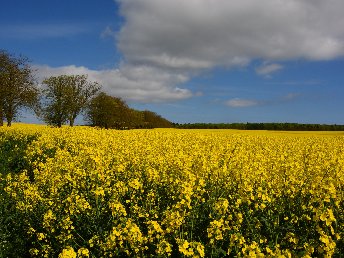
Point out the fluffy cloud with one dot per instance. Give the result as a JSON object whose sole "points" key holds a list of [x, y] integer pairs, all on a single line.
{"points": [[202, 34], [165, 43], [137, 83]]}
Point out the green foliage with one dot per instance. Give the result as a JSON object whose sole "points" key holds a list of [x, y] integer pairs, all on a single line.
{"points": [[12, 152], [17, 86], [108, 112], [13, 242], [65, 96], [112, 112], [153, 120], [13, 161]]}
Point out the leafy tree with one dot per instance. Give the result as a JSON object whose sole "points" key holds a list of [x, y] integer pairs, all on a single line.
{"points": [[112, 112], [109, 112], [54, 110], [136, 119], [153, 120], [65, 96], [79, 92], [17, 86], [98, 110]]}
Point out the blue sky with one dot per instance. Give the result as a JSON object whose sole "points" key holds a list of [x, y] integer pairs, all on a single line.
{"points": [[192, 61]]}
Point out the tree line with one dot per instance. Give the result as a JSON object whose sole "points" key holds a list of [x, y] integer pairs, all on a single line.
{"points": [[263, 126], [60, 99]]}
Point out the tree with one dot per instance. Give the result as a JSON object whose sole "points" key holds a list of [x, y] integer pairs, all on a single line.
{"points": [[153, 120], [65, 96], [136, 119], [109, 112], [17, 86], [112, 112], [79, 92], [54, 109]]}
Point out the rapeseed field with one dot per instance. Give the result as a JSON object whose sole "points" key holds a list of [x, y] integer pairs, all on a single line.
{"points": [[87, 192]]}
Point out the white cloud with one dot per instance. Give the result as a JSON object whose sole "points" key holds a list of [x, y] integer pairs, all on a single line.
{"points": [[202, 34], [136, 83], [266, 69], [164, 43], [238, 103]]}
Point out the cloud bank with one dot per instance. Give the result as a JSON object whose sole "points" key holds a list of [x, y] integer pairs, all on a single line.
{"points": [[138, 83], [165, 43], [198, 34]]}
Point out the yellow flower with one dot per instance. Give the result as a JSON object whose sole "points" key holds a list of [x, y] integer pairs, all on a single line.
{"points": [[83, 252], [40, 236], [99, 191], [241, 178], [184, 247], [68, 252], [164, 248]]}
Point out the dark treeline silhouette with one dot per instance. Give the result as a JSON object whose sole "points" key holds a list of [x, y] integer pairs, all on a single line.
{"points": [[263, 126]]}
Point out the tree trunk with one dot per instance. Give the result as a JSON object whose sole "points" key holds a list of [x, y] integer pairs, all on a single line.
{"points": [[9, 114], [1, 115], [9, 119], [72, 119]]}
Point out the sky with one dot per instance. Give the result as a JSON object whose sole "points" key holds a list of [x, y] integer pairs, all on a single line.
{"points": [[209, 61]]}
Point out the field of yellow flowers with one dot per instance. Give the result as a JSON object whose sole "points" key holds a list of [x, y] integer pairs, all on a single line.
{"points": [[87, 192]]}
